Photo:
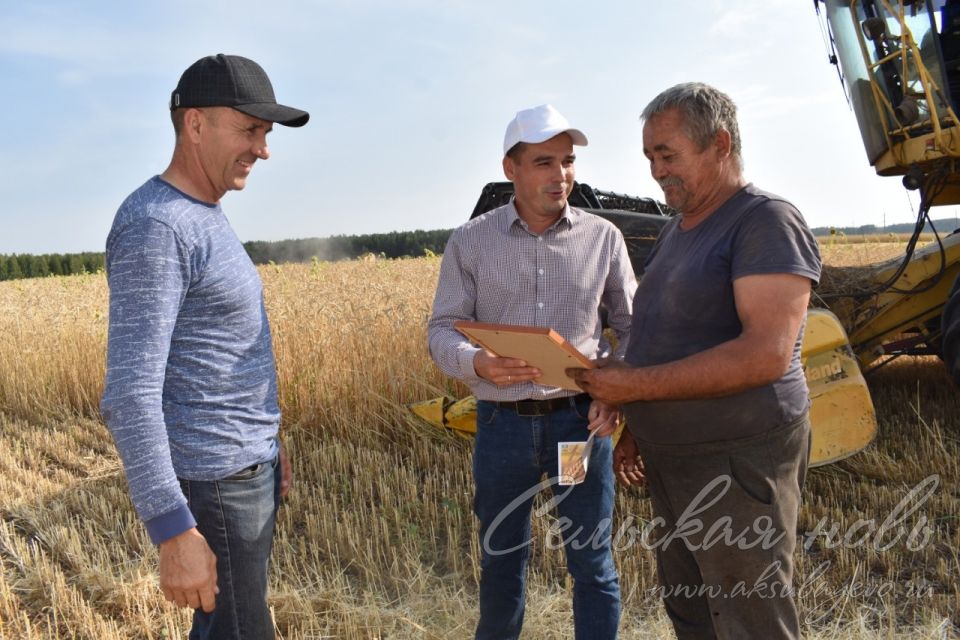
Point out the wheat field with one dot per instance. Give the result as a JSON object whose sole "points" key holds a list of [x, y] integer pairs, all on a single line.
{"points": [[377, 538]]}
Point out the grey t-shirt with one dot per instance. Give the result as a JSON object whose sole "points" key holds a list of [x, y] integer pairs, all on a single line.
{"points": [[685, 305]]}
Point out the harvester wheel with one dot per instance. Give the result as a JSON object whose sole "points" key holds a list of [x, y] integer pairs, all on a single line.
{"points": [[950, 340]]}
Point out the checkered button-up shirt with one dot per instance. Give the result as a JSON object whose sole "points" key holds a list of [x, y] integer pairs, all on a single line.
{"points": [[495, 270]]}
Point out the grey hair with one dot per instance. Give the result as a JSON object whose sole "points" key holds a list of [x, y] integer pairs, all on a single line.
{"points": [[705, 111]]}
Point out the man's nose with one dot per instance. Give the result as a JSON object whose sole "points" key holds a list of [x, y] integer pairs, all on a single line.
{"points": [[657, 170], [260, 148]]}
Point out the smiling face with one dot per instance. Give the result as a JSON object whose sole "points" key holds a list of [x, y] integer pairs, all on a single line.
{"points": [[696, 179], [542, 175], [228, 144], [688, 175]]}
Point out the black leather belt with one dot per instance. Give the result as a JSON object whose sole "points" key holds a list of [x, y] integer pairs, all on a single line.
{"points": [[542, 407]]}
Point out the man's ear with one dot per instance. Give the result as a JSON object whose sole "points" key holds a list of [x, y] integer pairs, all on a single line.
{"points": [[509, 168], [723, 143], [193, 122]]}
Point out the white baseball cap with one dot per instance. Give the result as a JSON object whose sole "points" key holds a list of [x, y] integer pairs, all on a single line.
{"points": [[539, 124]]}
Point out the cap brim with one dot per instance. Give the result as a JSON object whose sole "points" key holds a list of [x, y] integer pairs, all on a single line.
{"points": [[272, 112], [577, 136]]}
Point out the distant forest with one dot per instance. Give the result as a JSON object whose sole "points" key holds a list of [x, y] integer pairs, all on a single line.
{"points": [[944, 226], [396, 244], [25, 265]]}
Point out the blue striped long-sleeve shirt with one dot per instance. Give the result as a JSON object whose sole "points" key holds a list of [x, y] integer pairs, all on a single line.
{"points": [[191, 388]]}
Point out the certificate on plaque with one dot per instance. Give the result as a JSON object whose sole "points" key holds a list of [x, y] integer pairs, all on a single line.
{"points": [[539, 347]]}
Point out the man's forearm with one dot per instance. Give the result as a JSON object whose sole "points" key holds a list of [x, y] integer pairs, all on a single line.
{"points": [[728, 368]]}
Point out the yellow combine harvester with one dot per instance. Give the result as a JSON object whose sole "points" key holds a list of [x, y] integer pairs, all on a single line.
{"points": [[901, 71]]}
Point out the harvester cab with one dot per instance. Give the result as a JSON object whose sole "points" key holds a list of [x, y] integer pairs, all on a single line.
{"points": [[900, 67], [902, 76]]}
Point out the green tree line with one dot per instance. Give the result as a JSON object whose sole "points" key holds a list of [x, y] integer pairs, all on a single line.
{"points": [[396, 244], [25, 265]]}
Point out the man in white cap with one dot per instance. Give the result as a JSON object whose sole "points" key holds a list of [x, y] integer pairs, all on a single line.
{"points": [[537, 261]]}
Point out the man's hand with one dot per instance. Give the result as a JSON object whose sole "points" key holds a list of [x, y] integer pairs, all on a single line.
{"points": [[286, 472], [503, 371], [188, 571], [603, 418], [609, 383], [627, 466]]}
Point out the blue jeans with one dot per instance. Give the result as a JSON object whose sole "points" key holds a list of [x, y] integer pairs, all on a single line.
{"points": [[511, 454], [236, 515]]}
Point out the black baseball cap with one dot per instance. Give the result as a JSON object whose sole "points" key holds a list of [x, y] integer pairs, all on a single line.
{"points": [[233, 81]]}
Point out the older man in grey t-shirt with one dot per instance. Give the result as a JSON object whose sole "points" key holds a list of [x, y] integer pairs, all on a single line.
{"points": [[715, 396]]}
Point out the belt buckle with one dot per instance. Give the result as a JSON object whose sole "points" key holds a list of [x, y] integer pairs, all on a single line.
{"points": [[530, 408]]}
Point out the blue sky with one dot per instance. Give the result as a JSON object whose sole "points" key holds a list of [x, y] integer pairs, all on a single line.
{"points": [[408, 101]]}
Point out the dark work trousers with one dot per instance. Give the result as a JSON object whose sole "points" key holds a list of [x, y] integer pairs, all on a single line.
{"points": [[725, 544]]}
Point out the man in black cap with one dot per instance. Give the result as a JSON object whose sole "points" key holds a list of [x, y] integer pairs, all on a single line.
{"points": [[191, 388]]}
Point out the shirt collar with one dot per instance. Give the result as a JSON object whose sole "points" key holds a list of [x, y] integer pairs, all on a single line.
{"points": [[567, 217]]}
